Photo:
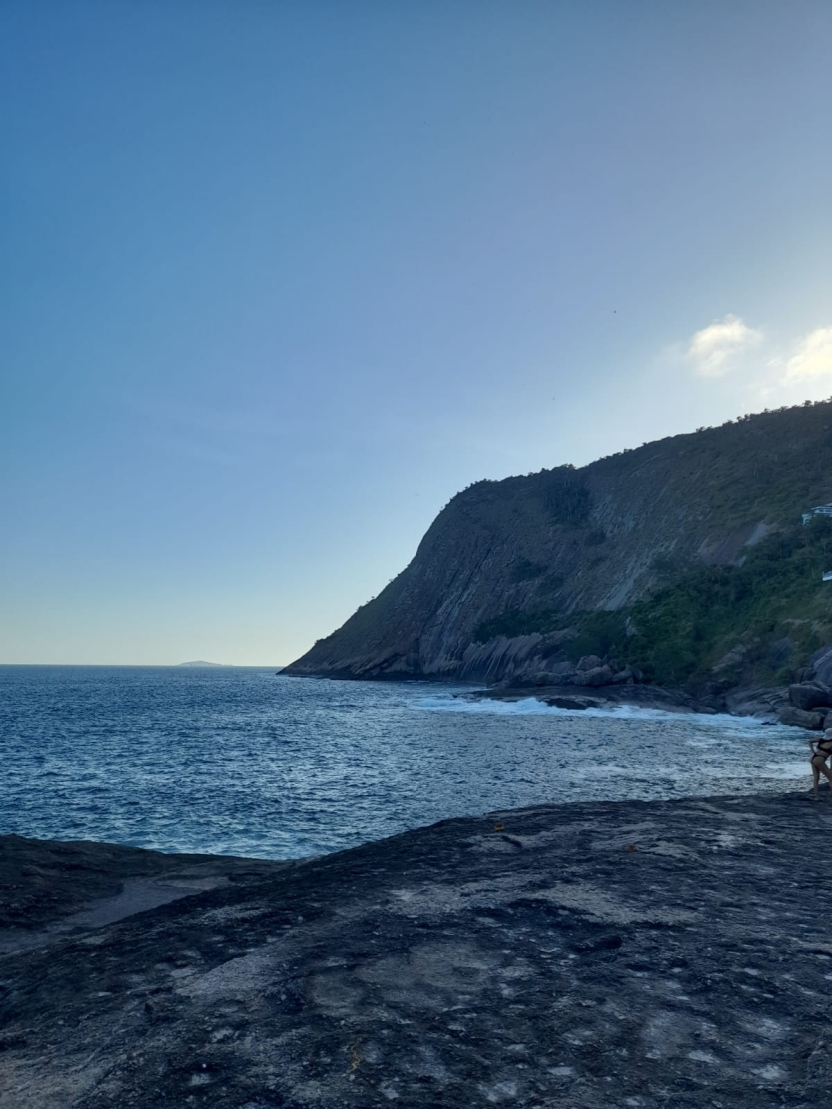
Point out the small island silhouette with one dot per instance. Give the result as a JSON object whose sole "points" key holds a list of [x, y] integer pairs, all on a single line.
{"points": [[201, 662]]}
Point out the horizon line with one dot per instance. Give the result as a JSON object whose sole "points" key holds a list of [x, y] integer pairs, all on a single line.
{"points": [[163, 665]]}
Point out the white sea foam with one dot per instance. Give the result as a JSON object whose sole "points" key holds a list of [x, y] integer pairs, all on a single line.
{"points": [[531, 706], [790, 769]]}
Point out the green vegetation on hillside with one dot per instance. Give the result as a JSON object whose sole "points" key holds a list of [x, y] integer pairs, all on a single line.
{"points": [[564, 494], [675, 635], [757, 467]]}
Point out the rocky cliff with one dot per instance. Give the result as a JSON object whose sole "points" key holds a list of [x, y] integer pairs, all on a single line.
{"points": [[509, 569]]}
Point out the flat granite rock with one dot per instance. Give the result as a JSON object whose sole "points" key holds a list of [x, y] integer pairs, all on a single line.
{"points": [[647, 955], [43, 883]]}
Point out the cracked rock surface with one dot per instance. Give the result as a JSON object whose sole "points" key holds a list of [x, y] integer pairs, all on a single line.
{"points": [[648, 955]]}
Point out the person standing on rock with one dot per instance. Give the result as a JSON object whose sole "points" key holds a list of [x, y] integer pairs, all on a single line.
{"points": [[821, 750]]}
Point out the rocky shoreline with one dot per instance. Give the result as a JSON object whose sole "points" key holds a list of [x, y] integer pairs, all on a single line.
{"points": [[624, 954], [592, 683], [578, 699], [769, 705]]}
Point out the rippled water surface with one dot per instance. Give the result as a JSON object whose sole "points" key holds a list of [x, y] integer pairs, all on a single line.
{"points": [[244, 762]]}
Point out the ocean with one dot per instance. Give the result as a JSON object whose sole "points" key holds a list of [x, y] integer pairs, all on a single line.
{"points": [[242, 761]]}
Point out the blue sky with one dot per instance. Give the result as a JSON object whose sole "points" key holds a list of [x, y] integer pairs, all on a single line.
{"points": [[280, 278]]}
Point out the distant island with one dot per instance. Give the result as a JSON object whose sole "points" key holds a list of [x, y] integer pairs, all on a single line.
{"points": [[203, 663]]}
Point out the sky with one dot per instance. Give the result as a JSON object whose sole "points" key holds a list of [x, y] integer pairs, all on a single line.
{"points": [[278, 279]]}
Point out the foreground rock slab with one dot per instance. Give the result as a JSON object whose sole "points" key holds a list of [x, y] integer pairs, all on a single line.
{"points": [[632, 954], [52, 889]]}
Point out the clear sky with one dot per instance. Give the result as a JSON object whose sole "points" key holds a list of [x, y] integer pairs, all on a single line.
{"points": [[278, 279]]}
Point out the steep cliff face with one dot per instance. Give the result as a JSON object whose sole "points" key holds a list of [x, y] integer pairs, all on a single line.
{"points": [[568, 541]]}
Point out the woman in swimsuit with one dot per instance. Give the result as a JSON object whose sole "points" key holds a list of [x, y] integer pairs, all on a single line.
{"points": [[821, 750]]}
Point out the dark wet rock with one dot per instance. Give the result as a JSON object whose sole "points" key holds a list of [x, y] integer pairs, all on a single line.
{"points": [[595, 956], [810, 695], [574, 703], [800, 718]]}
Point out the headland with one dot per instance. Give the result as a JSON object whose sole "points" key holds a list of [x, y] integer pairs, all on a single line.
{"points": [[697, 565]]}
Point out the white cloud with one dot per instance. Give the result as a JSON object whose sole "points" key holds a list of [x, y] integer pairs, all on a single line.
{"points": [[715, 349], [812, 356]]}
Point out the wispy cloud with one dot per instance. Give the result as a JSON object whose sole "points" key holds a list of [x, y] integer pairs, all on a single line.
{"points": [[812, 357], [716, 349]]}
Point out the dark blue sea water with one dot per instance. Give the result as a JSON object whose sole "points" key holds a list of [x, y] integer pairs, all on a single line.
{"points": [[243, 762]]}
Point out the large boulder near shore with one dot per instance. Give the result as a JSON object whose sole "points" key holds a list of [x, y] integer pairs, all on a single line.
{"points": [[573, 703], [810, 695], [761, 701], [598, 675], [801, 718]]}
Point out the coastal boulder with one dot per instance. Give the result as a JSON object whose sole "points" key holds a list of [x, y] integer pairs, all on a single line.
{"points": [[800, 718], [761, 701], [563, 671], [810, 695], [598, 675], [822, 665], [624, 677], [589, 662], [568, 703]]}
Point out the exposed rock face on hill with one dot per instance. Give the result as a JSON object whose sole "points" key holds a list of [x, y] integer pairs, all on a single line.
{"points": [[628, 955], [593, 539]]}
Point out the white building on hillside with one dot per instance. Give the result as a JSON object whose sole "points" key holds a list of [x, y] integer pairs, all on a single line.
{"points": [[818, 510]]}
